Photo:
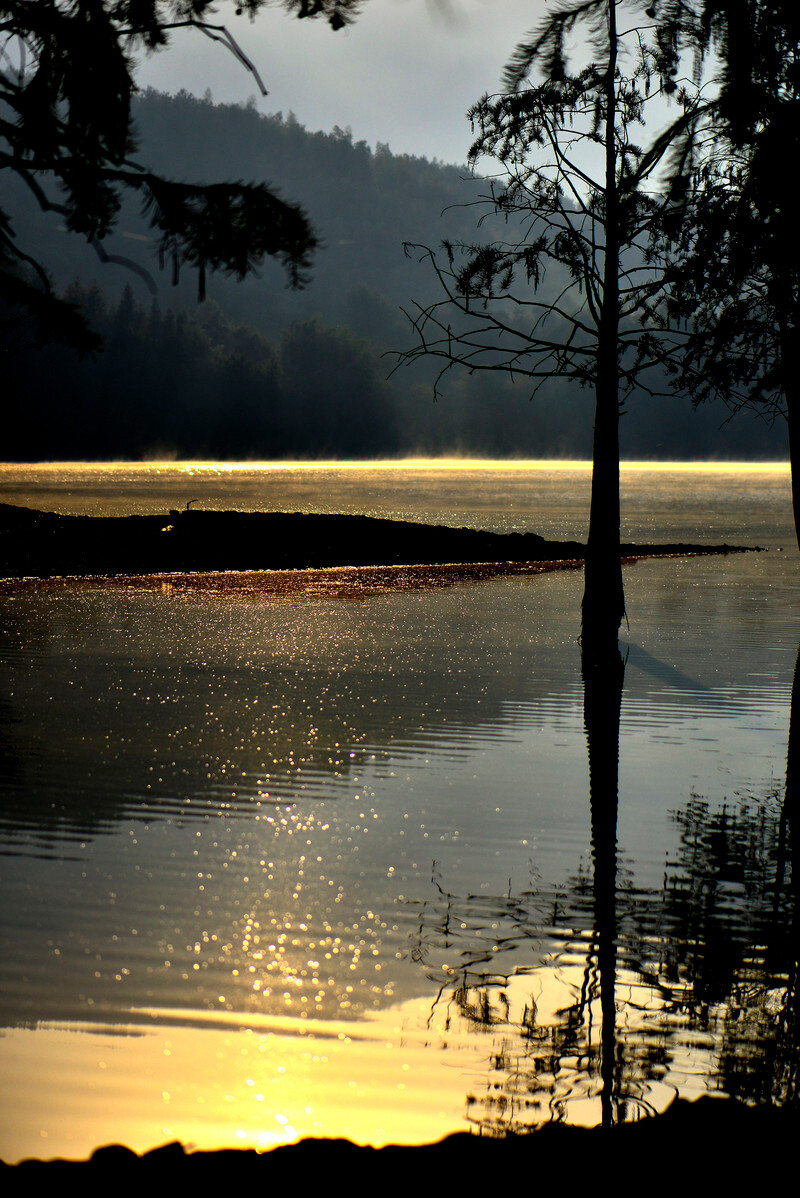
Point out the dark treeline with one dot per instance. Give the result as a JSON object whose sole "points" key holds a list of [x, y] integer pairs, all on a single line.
{"points": [[264, 371], [200, 386]]}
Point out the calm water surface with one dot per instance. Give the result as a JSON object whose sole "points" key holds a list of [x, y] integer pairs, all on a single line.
{"points": [[275, 868]]}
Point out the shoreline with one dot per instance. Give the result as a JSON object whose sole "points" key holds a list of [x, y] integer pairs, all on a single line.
{"points": [[186, 547], [697, 1143]]}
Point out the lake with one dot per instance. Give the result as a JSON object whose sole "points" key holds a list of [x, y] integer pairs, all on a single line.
{"points": [[276, 867]]}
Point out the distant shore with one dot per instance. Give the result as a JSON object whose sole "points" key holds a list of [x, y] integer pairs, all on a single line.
{"points": [[188, 543]]}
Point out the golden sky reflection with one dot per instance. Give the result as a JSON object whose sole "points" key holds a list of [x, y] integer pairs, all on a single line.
{"points": [[407, 1075], [80, 1086]]}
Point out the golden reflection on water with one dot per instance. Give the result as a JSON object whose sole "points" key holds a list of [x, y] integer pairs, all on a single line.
{"points": [[546, 497], [334, 582], [409, 1074], [543, 465], [192, 1077], [406, 1075]]}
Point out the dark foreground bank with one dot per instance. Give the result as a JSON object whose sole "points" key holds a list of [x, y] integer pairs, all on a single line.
{"points": [[693, 1148], [46, 545]]}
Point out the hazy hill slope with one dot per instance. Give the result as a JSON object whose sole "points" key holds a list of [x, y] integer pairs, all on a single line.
{"points": [[263, 371]]}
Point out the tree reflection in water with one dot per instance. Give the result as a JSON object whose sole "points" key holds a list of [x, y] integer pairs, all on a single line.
{"points": [[634, 994]]}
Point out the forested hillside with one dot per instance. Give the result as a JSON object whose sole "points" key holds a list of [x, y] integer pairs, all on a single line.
{"points": [[260, 370]]}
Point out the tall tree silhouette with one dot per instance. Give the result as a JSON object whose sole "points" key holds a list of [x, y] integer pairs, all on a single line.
{"points": [[574, 187], [66, 80]]}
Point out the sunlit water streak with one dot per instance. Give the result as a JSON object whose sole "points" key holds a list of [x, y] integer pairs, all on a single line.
{"points": [[287, 867], [550, 498]]}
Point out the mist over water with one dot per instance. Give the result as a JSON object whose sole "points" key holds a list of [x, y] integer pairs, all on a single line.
{"points": [[664, 501], [281, 867]]}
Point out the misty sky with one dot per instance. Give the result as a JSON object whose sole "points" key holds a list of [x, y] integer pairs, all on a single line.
{"points": [[405, 73]]}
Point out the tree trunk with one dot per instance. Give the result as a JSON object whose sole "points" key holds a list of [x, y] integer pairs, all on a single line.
{"points": [[603, 606], [603, 597]]}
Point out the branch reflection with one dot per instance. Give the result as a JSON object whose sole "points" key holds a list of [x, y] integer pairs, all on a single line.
{"points": [[601, 1000]]}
